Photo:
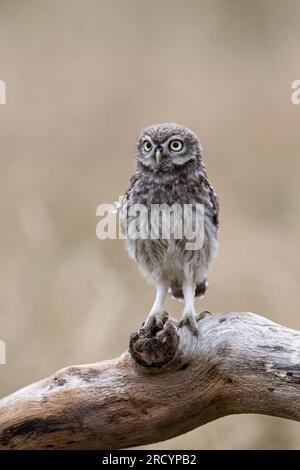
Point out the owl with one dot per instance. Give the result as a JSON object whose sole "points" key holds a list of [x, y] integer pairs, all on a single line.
{"points": [[170, 173]]}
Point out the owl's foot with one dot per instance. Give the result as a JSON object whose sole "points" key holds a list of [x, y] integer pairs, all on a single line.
{"points": [[154, 322], [189, 319]]}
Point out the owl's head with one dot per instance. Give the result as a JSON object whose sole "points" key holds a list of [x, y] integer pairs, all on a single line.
{"points": [[167, 147]]}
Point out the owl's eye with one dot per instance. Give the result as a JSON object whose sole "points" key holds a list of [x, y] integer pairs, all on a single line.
{"points": [[147, 146], [176, 145]]}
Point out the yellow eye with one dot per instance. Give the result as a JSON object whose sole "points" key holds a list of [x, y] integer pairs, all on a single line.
{"points": [[176, 145], [147, 146]]}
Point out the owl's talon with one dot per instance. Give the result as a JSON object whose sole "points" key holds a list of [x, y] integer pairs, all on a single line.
{"points": [[190, 321], [202, 315], [154, 323]]}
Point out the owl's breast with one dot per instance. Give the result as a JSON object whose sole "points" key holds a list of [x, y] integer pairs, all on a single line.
{"points": [[173, 191]]}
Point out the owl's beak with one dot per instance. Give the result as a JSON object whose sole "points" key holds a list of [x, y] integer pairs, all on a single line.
{"points": [[158, 154]]}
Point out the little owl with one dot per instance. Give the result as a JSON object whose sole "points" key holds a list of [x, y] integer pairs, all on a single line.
{"points": [[170, 170]]}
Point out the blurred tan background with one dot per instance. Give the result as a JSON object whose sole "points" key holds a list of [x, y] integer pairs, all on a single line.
{"points": [[83, 77]]}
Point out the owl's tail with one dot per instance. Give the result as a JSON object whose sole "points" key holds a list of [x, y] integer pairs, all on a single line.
{"points": [[176, 289]]}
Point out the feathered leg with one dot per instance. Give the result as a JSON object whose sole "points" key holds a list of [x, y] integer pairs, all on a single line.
{"points": [[188, 317], [157, 311]]}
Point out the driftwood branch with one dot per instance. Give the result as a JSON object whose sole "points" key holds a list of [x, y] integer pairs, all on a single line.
{"points": [[165, 385]]}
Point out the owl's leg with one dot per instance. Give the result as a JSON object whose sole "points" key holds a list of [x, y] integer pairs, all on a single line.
{"points": [[157, 313], [188, 317]]}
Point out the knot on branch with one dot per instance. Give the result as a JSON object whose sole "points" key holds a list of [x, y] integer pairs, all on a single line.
{"points": [[155, 348]]}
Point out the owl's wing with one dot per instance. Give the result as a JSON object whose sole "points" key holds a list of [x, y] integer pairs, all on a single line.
{"points": [[212, 198], [123, 209]]}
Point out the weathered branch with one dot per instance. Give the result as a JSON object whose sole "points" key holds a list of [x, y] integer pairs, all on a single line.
{"points": [[166, 385]]}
